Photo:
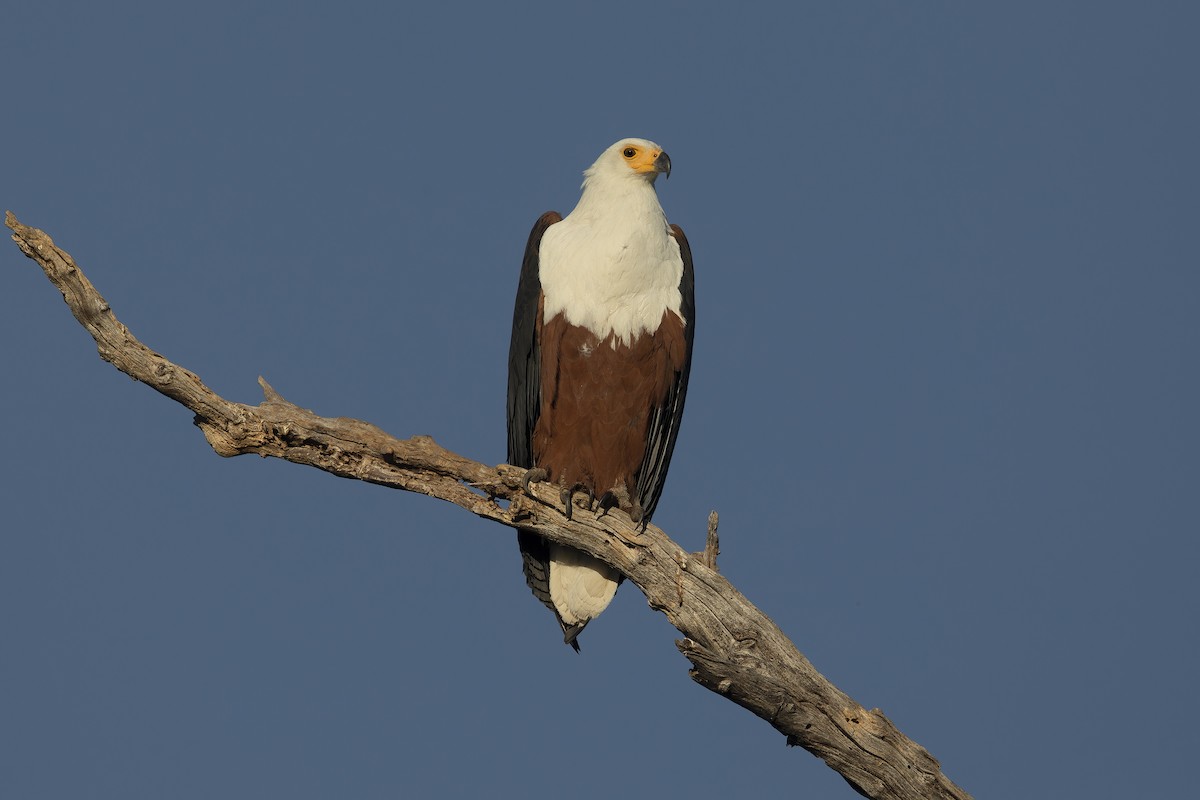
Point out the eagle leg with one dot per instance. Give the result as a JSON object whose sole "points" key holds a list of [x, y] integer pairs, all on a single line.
{"points": [[537, 474], [568, 496]]}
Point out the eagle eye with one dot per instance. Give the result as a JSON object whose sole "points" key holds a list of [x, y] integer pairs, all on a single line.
{"points": [[629, 152]]}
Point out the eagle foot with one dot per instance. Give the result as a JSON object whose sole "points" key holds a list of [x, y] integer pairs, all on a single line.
{"points": [[537, 474], [567, 496]]}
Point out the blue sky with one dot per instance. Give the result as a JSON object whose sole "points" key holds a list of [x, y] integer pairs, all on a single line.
{"points": [[944, 393]]}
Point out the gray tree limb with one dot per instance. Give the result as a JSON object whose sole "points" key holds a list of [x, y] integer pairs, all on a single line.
{"points": [[735, 650]]}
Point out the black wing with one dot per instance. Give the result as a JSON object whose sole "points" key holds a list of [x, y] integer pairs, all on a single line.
{"points": [[525, 402], [524, 357], [664, 422]]}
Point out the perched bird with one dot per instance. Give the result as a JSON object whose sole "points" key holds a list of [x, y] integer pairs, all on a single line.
{"points": [[598, 365]]}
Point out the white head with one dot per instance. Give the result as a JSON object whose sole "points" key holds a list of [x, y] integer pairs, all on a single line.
{"points": [[629, 159], [612, 265]]}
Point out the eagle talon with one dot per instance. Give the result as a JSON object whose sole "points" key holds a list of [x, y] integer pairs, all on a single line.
{"points": [[568, 497], [640, 520], [607, 500], [536, 474]]}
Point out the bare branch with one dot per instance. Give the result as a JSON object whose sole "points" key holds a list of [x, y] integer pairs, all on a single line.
{"points": [[712, 543], [735, 650]]}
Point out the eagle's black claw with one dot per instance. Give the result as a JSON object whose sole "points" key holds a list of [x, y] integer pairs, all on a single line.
{"points": [[607, 500], [536, 474], [638, 516], [568, 496]]}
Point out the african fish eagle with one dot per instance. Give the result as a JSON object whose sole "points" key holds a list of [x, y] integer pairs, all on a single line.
{"points": [[598, 365]]}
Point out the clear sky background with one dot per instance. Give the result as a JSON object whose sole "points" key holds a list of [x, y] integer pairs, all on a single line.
{"points": [[944, 395]]}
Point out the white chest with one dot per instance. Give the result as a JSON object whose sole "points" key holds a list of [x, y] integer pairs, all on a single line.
{"points": [[611, 275]]}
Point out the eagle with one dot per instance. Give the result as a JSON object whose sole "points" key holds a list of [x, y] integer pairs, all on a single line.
{"points": [[598, 365]]}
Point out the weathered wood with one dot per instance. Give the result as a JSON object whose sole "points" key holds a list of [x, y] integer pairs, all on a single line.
{"points": [[735, 650]]}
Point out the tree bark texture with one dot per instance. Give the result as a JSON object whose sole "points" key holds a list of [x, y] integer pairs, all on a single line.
{"points": [[735, 649]]}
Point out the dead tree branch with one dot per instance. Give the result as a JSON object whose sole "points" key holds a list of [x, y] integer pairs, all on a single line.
{"points": [[735, 650]]}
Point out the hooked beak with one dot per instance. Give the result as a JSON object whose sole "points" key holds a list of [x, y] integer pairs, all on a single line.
{"points": [[663, 164]]}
